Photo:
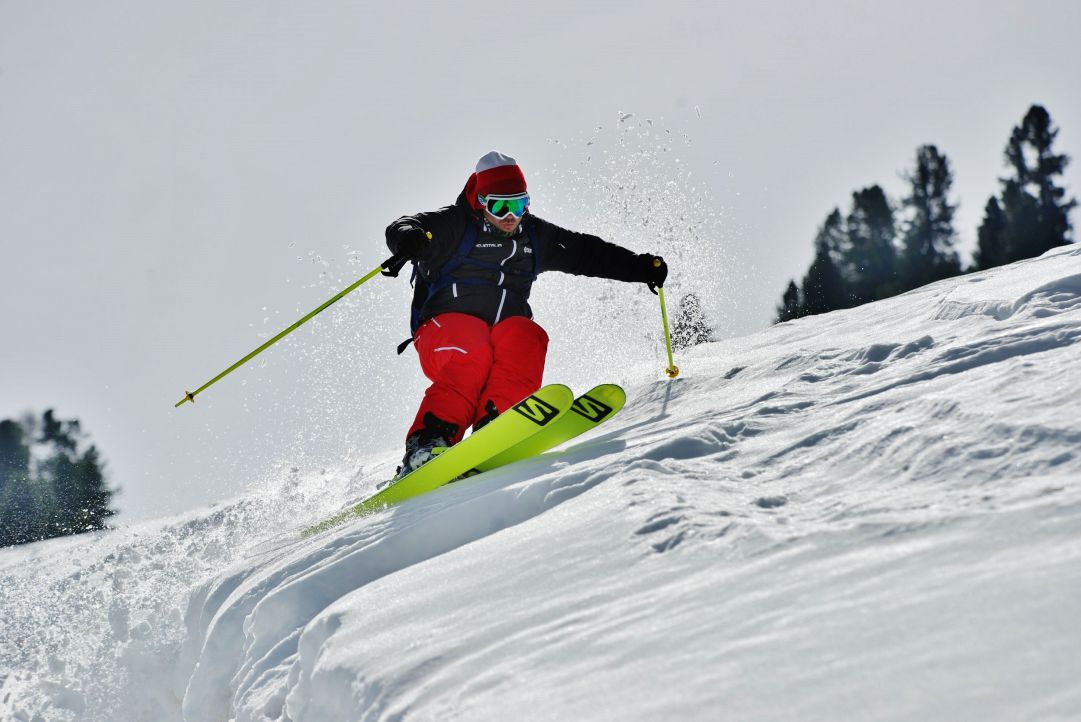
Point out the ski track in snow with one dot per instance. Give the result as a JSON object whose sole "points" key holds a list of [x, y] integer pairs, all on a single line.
{"points": [[872, 514]]}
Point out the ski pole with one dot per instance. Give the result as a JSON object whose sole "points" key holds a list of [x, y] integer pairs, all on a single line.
{"points": [[672, 371], [389, 267]]}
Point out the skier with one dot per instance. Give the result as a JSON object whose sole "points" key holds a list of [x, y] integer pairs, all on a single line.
{"points": [[474, 265]]}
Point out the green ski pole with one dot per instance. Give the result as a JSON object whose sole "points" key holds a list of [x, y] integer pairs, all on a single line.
{"points": [[389, 267], [672, 371]]}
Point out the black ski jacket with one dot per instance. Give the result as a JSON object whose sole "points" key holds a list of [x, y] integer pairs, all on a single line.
{"points": [[493, 294]]}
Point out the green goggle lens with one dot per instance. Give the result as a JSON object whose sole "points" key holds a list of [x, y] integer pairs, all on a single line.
{"points": [[502, 206]]}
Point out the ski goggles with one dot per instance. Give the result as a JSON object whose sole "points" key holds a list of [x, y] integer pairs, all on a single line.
{"points": [[502, 206]]}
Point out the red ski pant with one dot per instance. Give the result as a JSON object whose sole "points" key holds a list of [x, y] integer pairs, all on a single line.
{"points": [[475, 368]]}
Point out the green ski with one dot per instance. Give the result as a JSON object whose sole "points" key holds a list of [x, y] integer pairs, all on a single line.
{"points": [[589, 410], [523, 420]]}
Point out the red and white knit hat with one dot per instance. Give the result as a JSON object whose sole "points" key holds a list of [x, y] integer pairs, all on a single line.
{"points": [[496, 173]]}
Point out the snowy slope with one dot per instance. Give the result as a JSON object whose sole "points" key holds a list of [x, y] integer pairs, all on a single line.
{"points": [[873, 514]]}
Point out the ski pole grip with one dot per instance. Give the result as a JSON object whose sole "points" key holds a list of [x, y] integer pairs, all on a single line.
{"points": [[393, 265]]}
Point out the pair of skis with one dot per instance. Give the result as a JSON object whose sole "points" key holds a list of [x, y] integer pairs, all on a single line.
{"points": [[534, 425]]}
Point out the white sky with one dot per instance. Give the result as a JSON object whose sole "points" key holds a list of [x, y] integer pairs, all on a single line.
{"points": [[169, 171]]}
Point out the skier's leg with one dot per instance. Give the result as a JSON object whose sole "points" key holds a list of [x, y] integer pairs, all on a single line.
{"points": [[519, 347], [455, 352]]}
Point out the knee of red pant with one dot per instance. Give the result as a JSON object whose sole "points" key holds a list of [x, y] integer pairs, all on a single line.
{"points": [[521, 333], [452, 362], [519, 350]]}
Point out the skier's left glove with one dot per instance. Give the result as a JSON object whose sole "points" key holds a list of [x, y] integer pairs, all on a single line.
{"points": [[654, 271]]}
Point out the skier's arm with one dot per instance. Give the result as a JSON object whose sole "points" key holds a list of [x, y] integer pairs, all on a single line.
{"points": [[584, 255], [408, 236]]}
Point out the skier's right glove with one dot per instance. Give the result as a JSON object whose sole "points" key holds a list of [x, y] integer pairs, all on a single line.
{"points": [[413, 243], [654, 271]]}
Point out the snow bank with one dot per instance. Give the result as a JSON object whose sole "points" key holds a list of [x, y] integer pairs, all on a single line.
{"points": [[870, 514]]}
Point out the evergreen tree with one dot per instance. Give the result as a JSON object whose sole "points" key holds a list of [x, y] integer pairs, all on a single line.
{"points": [[18, 513], [928, 238], [823, 286], [991, 236], [64, 492], [92, 496], [790, 304], [1036, 167], [1035, 215], [58, 472], [61, 434], [14, 454], [869, 257], [1022, 214], [691, 327]]}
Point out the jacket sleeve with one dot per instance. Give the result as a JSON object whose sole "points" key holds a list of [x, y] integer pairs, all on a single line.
{"points": [[446, 226], [584, 255]]}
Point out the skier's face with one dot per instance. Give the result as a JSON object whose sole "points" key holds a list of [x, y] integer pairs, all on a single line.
{"points": [[507, 225]]}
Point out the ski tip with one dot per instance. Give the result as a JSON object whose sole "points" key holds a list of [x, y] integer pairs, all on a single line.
{"points": [[554, 389]]}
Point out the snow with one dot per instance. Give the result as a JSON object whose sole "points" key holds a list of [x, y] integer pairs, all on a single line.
{"points": [[873, 514]]}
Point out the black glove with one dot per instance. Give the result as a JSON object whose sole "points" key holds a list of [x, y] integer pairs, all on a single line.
{"points": [[654, 271], [413, 243]]}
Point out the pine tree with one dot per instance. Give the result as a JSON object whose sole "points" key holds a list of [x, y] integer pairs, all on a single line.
{"points": [[1036, 166], [17, 508], [869, 256], [790, 304], [823, 286], [991, 237], [928, 240], [1035, 215], [61, 434], [14, 454], [90, 507], [64, 492], [56, 470], [691, 327]]}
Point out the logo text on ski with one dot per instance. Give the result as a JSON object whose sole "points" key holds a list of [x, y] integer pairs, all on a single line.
{"points": [[537, 410], [590, 408]]}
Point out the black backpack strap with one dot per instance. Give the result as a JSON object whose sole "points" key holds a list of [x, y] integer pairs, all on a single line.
{"points": [[426, 285], [530, 230], [438, 279]]}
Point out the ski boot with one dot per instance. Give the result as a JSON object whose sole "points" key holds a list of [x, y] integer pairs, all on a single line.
{"points": [[425, 444], [419, 451]]}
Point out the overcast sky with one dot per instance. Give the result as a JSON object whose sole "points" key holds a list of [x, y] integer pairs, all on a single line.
{"points": [[179, 179]]}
